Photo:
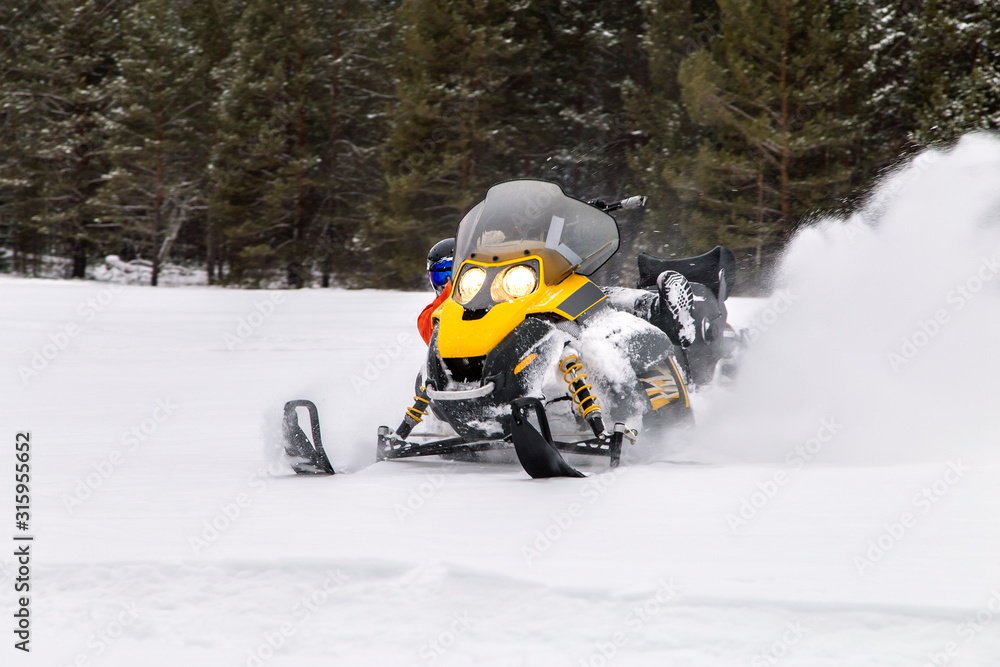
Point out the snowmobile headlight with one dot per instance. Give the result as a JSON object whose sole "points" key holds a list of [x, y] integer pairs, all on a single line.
{"points": [[469, 284], [513, 283]]}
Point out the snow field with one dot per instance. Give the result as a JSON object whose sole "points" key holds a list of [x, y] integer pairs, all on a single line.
{"points": [[227, 560]]}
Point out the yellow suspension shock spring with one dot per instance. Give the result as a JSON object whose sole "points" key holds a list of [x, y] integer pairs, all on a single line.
{"points": [[575, 378], [419, 409]]}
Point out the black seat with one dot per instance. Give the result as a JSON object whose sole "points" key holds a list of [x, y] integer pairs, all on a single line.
{"points": [[704, 269]]}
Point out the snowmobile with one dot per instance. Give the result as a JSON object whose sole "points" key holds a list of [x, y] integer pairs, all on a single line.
{"points": [[529, 355]]}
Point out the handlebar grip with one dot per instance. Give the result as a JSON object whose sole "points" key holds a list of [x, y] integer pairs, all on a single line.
{"points": [[633, 202]]}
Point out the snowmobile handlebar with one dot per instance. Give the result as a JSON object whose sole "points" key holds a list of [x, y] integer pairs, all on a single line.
{"points": [[637, 201], [460, 395]]}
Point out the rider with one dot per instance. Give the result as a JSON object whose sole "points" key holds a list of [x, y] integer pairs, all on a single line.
{"points": [[439, 261]]}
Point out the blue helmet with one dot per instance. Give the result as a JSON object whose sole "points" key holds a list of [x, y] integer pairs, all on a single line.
{"points": [[439, 261]]}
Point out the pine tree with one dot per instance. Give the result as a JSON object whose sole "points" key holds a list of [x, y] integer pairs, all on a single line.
{"points": [[577, 61], [885, 116], [211, 26], [299, 121], [489, 91], [668, 137], [156, 146], [62, 55], [14, 234], [452, 66], [774, 92], [359, 36], [954, 81], [263, 166], [569, 105]]}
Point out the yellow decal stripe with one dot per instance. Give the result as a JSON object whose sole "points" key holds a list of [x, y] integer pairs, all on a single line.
{"points": [[524, 363], [680, 383]]}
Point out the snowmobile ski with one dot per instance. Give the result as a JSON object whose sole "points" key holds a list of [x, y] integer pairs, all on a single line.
{"points": [[307, 457], [536, 451]]}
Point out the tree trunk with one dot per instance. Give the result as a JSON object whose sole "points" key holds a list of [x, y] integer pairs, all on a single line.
{"points": [[296, 266], [79, 258], [210, 250], [326, 263], [786, 198], [157, 205]]}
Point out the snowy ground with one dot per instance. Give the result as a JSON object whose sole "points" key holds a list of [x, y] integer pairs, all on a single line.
{"points": [[836, 507]]}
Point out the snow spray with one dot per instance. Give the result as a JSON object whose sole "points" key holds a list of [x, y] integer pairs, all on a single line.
{"points": [[894, 330]]}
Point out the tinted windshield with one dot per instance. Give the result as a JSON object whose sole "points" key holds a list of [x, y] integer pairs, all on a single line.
{"points": [[535, 216]]}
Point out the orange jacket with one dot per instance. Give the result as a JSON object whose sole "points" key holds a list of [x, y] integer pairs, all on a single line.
{"points": [[424, 323]]}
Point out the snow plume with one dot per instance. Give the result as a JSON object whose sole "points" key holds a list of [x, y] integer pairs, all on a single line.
{"points": [[880, 343]]}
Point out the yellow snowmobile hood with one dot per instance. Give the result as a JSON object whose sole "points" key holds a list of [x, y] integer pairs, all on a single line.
{"points": [[459, 337]]}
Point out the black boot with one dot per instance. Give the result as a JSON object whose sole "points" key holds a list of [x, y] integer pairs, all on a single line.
{"points": [[672, 309]]}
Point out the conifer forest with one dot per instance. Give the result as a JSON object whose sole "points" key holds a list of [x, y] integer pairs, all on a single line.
{"points": [[322, 143]]}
